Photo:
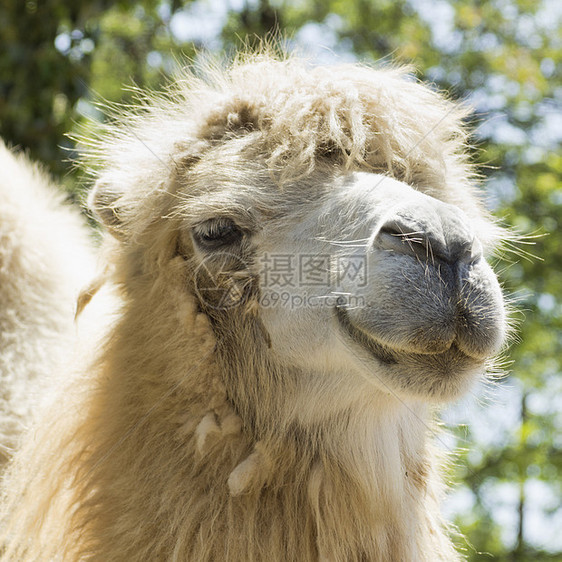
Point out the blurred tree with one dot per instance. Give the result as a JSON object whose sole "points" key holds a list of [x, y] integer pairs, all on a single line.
{"points": [[38, 84], [58, 56], [502, 56]]}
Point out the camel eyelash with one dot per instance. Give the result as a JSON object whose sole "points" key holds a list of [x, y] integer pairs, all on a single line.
{"points": [[217, 232]]}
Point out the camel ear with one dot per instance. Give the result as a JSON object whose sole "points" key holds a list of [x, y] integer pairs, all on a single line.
{"points": [[103, 201]]}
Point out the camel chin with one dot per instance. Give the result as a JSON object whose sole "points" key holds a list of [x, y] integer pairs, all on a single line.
{"points": [[430, 376]]}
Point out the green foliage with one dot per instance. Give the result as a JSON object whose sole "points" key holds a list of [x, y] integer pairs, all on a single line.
{"points": [[59, 57], [38, 83]]}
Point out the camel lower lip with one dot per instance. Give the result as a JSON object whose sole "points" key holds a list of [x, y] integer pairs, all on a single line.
{"points": [[380, 352]]}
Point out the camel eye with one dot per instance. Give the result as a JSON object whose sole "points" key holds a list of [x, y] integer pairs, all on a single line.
{"points": [[215, 233]]}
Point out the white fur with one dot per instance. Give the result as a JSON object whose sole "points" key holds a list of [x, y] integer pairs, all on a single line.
{"points": [[45, 258]]}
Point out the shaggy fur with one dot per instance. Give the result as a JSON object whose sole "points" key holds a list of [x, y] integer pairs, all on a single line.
{"points": [[199, 434], [45, 258]]}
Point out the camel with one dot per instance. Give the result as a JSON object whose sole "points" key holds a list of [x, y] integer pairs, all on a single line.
{"points": [[299, 255]]}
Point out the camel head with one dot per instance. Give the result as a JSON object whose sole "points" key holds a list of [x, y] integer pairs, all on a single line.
{"points": [[328, 228]]}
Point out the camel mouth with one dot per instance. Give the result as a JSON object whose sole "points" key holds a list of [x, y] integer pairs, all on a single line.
{"points": [[378, 350], [388, 356]]}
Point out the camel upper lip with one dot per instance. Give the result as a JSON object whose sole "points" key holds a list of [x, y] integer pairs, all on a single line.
{"points": [[380, 352]]}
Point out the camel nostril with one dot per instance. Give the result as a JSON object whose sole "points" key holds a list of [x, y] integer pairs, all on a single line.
{"points": [[438, 236], [392, 229], [397, 237]]}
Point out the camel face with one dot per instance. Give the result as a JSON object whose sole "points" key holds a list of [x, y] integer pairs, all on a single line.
{"points": [[330, 226], [361, 281]]}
